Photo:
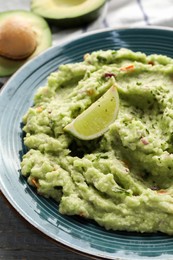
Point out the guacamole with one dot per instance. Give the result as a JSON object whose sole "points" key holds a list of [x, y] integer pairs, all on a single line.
{"points": [[122, 180]]}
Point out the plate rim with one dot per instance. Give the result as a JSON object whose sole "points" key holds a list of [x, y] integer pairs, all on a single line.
{"points": [[3, 91]]}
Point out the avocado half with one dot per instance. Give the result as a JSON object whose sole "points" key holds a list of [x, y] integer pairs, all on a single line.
{"points": [[42, 34], [68, 13]]}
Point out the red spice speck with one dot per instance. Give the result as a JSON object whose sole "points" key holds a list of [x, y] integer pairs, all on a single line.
{"points": [[162, 191], [109, 75], [144, 141], [151, 62], [35, 183], [129, 67]]}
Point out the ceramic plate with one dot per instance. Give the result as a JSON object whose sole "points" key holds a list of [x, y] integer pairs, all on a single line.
{"points": [[17, 96]]}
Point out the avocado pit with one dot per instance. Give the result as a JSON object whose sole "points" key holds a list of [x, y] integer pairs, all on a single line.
{"points": [[17, 39]]}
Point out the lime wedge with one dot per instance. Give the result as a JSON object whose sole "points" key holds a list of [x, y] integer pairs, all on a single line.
{"points": [[95, 120]]}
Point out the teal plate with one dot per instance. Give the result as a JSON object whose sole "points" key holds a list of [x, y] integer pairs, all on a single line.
{"points": [[17, 96]]}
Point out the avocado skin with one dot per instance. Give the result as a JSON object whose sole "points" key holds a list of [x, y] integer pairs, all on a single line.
{"points": [[81, 20]]}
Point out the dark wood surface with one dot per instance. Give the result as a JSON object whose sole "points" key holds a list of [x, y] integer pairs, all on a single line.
{"points": [[21, 241]]}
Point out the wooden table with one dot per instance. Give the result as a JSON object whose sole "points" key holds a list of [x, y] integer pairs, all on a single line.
{"points": [[21, 241]]}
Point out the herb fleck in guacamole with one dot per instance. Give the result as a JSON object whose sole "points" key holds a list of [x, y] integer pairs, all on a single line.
{"points": [[123, 179]]}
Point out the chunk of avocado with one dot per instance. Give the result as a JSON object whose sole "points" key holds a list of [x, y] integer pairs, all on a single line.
{"points": [[68, 13], [41, 32]]}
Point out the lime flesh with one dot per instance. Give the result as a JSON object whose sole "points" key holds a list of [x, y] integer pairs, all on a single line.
{"points": [[96, 119]]}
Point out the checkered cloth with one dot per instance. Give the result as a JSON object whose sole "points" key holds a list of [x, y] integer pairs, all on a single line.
{"points": [[117, 13]]}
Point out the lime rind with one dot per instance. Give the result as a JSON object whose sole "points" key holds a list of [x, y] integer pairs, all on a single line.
{"points": [[96, 119]]}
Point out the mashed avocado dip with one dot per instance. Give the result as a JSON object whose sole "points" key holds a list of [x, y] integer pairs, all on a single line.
{"points": [[124, 179]]}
